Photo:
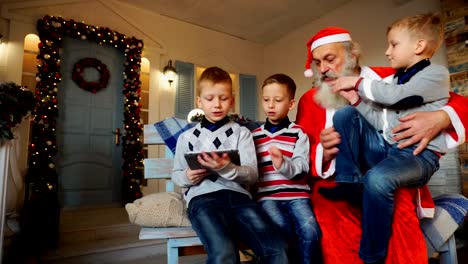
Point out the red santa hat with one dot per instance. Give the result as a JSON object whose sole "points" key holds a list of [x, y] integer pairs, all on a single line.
{"points": [[325, 36]]}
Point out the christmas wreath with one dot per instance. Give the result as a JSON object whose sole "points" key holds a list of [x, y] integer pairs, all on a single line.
{"points": [[91, 86]]}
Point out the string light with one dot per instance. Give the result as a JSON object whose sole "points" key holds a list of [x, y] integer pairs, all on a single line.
{"points": [[43, 148]]}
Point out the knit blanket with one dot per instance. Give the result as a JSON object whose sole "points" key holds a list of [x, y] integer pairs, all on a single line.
{"points": [[450, 212], [170, 129]]}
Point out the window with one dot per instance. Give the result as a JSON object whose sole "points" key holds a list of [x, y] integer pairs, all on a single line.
{"points": [[31, 50], [185, 89], [244, 89], [248, 96]]}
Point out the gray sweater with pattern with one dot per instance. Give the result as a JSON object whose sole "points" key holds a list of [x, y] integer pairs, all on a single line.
{"points": [[430, 86], [231, 136]]}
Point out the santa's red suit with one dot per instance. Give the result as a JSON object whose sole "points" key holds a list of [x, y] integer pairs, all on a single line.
{"points": [[339, 221]]}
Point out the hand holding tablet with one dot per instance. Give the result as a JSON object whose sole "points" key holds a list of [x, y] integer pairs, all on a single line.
{"points": [[193, 163]]}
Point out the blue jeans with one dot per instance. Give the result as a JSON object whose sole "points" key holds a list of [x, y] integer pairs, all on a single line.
{"points": [[298, 225], [223, 217], [366, 157]]}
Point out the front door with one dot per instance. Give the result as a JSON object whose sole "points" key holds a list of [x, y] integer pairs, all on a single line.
{"points": [[89, 158]]}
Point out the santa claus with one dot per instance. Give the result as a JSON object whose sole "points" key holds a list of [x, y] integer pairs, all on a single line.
{"points": [[332, 53]]}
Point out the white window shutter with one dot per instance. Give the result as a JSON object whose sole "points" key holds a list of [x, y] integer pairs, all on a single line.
{"points": [[185, 89], [248, 96]]}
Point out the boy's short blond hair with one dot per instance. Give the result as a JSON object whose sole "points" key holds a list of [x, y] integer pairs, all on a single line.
{"points": [[284, 80], [214, 75], [424, 26]]}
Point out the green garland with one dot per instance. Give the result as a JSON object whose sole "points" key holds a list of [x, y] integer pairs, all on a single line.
{"points": [[42, 175], [15, 103]]}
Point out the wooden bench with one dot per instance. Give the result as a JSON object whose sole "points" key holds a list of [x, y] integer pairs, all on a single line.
{"points": [[448, 252], [447, 180], [181, 241]]}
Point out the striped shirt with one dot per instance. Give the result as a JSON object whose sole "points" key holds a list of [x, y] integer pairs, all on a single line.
{"points": [[289, 181]]}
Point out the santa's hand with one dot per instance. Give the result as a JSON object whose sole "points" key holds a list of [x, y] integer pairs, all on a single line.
{"points": [[276, 157], [420, 128], [329, 139]]}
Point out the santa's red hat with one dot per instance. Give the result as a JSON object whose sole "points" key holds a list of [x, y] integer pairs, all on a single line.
{"points": [[325, 36]]}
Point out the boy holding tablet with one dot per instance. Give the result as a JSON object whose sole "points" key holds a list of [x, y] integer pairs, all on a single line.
{"points": [[220, 207]]}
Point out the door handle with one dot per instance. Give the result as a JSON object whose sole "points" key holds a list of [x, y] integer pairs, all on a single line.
{"points": [[117, 136]]}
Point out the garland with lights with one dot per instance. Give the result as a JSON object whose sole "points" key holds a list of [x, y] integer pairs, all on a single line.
{"points": [[78, 71], [42, 175]]}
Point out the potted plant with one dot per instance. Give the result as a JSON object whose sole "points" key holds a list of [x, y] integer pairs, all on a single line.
{"points": [[16, 102]]}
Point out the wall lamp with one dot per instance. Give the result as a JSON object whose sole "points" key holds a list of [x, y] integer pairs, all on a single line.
{"points": [[170, 72]]}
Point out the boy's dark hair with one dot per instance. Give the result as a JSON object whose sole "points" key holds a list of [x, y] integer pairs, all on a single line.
{"points": [[282, 79], [215, 75]]}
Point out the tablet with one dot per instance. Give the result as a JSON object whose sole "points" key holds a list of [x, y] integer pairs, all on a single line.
{"points": [[193, 163]]}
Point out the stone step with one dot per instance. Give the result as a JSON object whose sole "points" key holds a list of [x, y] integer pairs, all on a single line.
{"points": [[105, 235], [117, 251], [84, 218], [90, 224], [100, 233], [106, 251]]}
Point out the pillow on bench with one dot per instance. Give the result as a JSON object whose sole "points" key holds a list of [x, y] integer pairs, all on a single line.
{"points": [[163, 209]]}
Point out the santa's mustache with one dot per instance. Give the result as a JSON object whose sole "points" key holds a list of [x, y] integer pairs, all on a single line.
{"points": [[325, 97], [328, 74]]}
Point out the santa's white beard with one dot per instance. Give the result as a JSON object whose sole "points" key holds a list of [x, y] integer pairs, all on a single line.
{"points": [[326, 98]]}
